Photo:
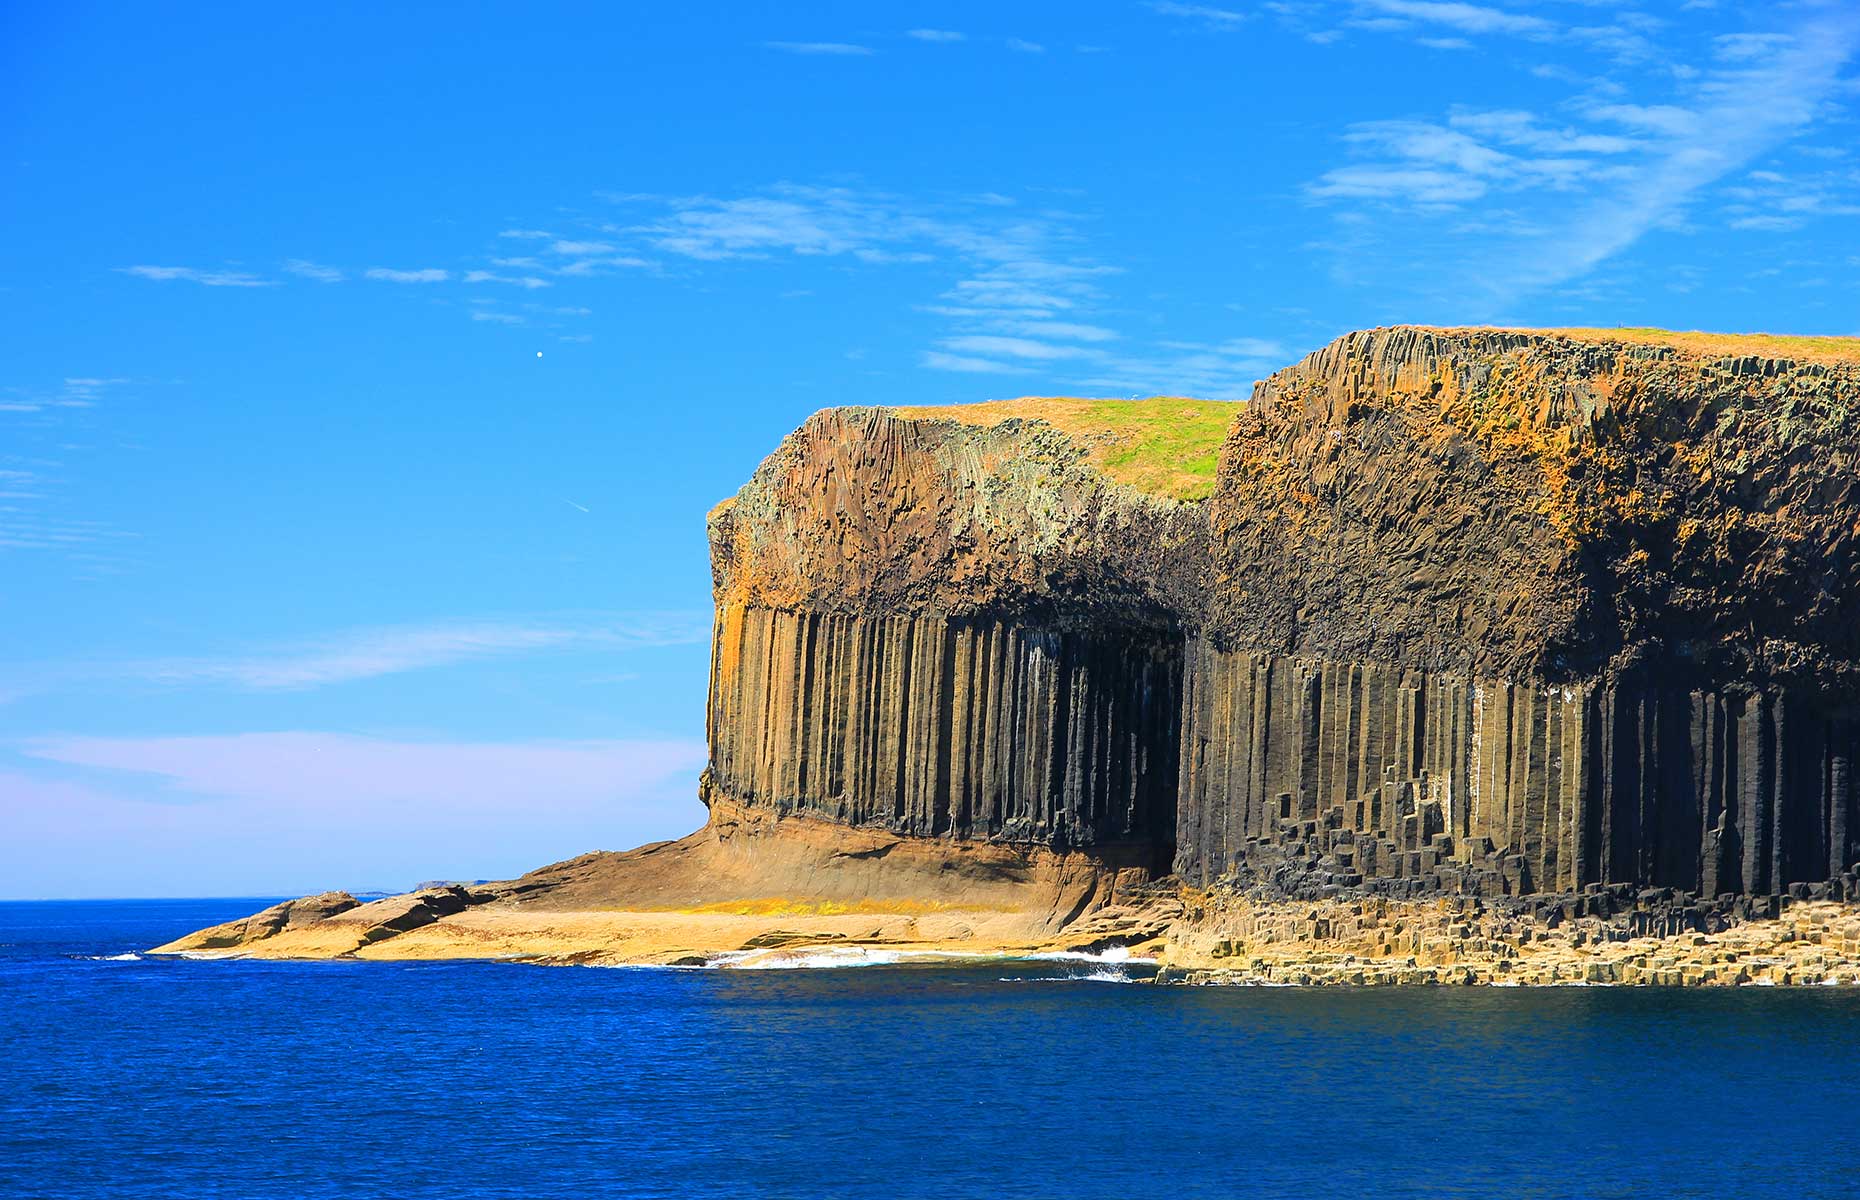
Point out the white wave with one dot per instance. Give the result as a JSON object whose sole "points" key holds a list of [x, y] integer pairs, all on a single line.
{"points": [[818, 957], [1103, 975], [1110, 954], [111, 957]]}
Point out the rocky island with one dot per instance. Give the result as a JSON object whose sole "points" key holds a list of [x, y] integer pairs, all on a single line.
{"points": [[1451, 655]]}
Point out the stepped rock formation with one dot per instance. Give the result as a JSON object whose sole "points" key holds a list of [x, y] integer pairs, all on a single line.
{"points": [[1561, 622], [1541, 611]]}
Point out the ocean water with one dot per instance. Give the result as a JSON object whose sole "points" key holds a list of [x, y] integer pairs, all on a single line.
{"points": [[123, 1076]]}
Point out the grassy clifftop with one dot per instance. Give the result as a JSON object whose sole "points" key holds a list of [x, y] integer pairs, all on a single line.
{"points": [[1165, 445]]}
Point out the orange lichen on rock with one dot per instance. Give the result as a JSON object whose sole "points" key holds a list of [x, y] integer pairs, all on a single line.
{"points": [[1827, 350]]}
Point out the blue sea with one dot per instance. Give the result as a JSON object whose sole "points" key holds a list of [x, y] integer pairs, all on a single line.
{"points": [[126, 1076]]}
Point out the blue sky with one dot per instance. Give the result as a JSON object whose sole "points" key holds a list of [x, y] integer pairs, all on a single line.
{"points": [[368, 374]]}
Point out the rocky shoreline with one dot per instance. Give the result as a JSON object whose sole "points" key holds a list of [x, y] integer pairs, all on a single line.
{"points": [[676, 904], [1547, 941]]}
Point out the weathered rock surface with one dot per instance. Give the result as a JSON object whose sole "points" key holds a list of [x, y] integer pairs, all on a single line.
{"points": [[1368, 942], [942, 629], [1590, 604], [292, 914]]}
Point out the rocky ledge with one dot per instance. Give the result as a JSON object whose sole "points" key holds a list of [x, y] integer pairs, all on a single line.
{"points": [[1649, 940]]}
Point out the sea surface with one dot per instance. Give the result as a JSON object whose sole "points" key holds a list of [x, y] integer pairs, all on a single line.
{"points": [[127, 1076]]}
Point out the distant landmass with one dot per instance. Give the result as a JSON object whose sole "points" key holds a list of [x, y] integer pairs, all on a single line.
{"points": [[1451, 655]]}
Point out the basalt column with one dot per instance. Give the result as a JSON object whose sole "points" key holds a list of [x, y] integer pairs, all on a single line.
{"points": [[1626, 782], [1586, 610], [936, 727], [952, 631]]}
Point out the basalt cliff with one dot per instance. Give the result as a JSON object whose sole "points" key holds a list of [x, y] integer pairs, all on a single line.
{"points": [[1444, 643]]}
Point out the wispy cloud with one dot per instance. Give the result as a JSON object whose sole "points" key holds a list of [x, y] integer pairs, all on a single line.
{"points": [[1220, 19], [372, 653], [1013, 347], [206, 277], [247, 813], [309, 270], [1018, 293], [356, 655], [38, 505], [1476, 184], [522, 281], [1025, 47], [831, 49], [420, 275], [1467, 18], [936, 35], [938, 360], [1745, 109], [300, 768]]}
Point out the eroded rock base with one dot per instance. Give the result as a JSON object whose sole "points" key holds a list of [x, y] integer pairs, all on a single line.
{"points": [[1653, 939], [747, 888]]}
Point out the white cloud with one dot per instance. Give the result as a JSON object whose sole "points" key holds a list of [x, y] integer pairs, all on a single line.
{"points": [[1025, 46], [525, 281], [936, 360], [1669, 120], [600, 266], [207, 278], [1222, 19], [309, 270], [1011, 347], [1747, 110], [526, 234], [580, 249], [499, 318], [936, 35], [1468, 18], [830, 49], [371, 653], [422, 275], [1749, 47], [1018, 295], [1424, 186]]}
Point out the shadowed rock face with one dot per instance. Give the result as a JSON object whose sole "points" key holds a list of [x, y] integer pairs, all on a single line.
{"points": [[1591, 604], [1482, 610], [1519, 505]]}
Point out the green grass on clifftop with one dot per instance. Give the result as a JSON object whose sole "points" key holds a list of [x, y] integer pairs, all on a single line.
{"points": [[1166, 445]]}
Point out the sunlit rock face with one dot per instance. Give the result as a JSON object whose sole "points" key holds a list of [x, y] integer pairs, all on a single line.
{"points": [[951, 630], [1480, 610]]}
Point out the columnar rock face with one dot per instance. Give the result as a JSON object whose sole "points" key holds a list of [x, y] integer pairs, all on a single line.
{"points": [[1588, 603], [1589, 783], [949, 630], [1523, 610], [930, 726]]}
